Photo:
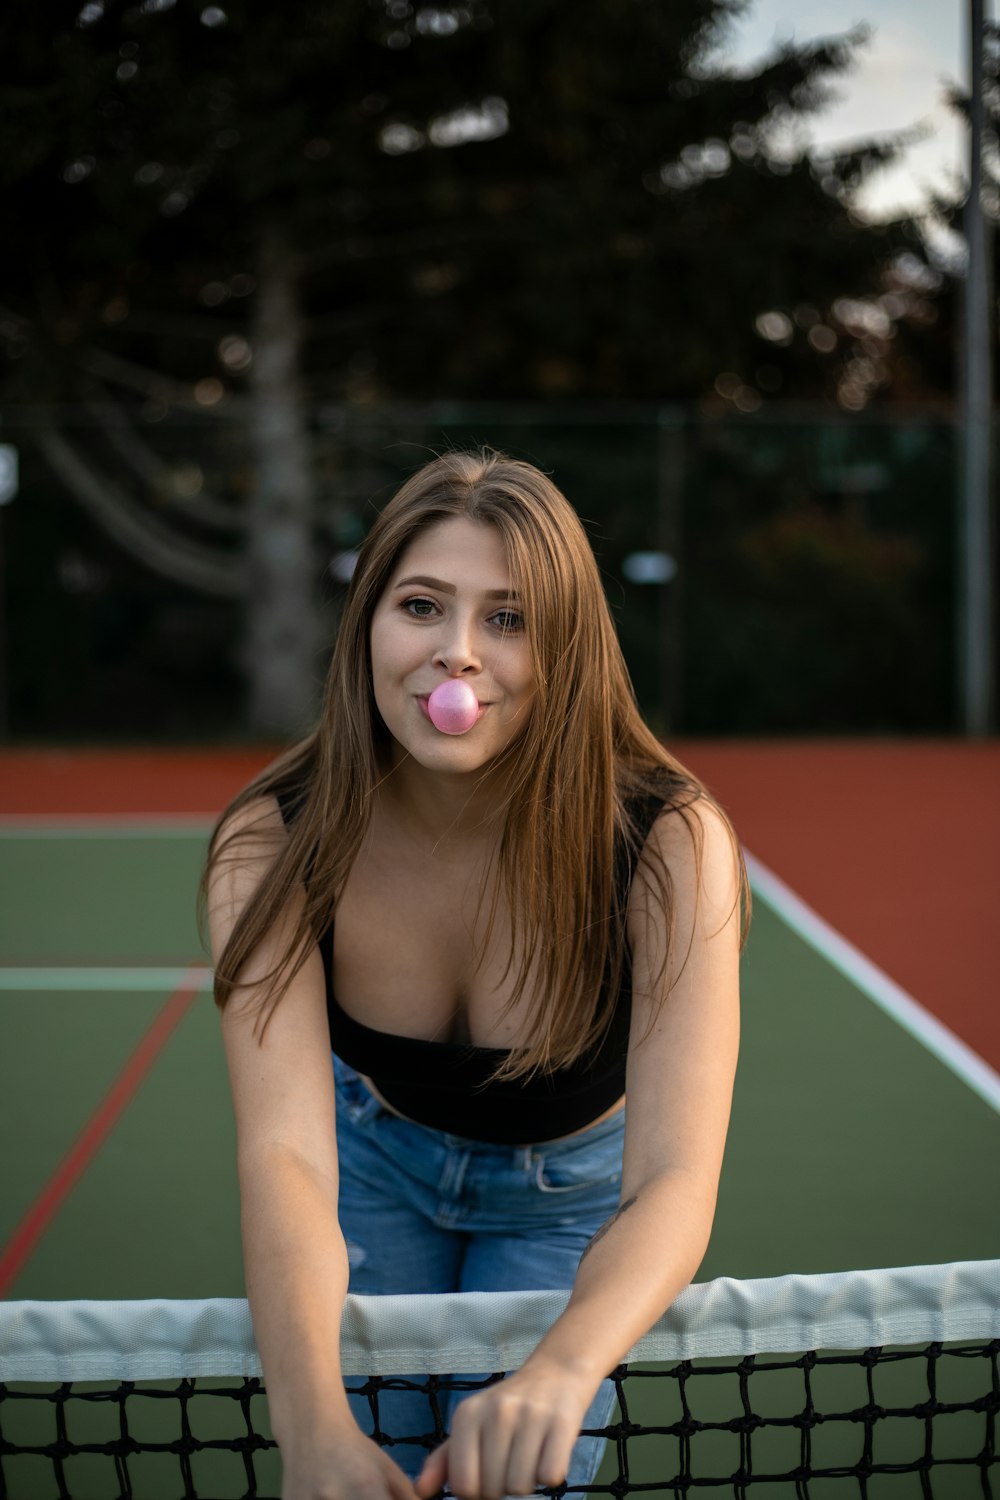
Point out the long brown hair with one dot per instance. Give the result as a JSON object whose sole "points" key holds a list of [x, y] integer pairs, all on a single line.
{"points": [[584, 758]]}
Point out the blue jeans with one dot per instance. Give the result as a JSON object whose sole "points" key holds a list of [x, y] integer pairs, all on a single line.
{"points": [[423, 1211]]}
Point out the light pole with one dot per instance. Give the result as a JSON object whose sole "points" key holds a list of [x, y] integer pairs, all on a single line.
{"points": [[8, 489], [975, 571]]}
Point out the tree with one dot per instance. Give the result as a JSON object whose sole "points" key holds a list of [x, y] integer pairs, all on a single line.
{"points": [[234, 211]]}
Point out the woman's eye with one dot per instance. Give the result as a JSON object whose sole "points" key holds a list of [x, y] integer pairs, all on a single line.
{"points": [[421, 608], [509, 621]]}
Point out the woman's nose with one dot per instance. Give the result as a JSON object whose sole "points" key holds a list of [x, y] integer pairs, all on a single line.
{"points": [[457, 650]]}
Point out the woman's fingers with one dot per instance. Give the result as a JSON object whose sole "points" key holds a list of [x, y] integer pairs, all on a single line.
{"points": [[557, 1451], [464, 1475], [434, 1473], [520, 1475], [401, 1488], [540, 1453], [503, 1443], [357, 1468], [497, 1441]]}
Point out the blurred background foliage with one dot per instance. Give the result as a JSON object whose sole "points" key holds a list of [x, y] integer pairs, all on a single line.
{"points": [[262, 262], [814, 585]]}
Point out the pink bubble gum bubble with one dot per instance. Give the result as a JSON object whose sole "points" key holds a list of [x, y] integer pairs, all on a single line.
{"points": [[453, 707]]}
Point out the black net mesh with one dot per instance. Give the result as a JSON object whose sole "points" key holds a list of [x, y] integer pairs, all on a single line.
{"points": [[880, 1424]]}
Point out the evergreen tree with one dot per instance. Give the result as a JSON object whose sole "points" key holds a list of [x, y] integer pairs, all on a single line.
{"points": [[233, 210]]}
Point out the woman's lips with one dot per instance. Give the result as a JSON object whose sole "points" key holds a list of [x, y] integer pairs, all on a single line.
{"points": [[422, 701]]}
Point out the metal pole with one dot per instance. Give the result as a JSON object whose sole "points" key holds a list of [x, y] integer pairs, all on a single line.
{"points": [[976, 551], [671, 461], [4, 673]]}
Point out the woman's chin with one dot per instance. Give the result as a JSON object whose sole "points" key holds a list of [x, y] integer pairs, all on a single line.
{"points": [[451, 758]]}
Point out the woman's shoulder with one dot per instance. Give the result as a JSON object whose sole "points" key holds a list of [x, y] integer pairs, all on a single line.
{"points": [[271, 803], [251, 833], [697, 824], [259, 816], [694, 845], [648, 795], [671, 819], [267, 809]]}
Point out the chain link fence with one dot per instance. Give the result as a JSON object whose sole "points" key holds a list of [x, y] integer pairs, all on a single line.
{"points": [[785, 572]]}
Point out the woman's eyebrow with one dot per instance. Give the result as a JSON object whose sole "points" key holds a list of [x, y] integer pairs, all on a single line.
{"points": [[449, 588]]}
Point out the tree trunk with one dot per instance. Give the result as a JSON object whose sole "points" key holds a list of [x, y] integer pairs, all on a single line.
{"points": [[281, 636]]}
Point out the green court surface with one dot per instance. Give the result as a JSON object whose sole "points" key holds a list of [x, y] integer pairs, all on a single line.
{"points": [[851, 1144], [113, 895]]}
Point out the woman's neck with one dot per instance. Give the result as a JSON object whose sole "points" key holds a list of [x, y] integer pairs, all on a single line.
{"points": [[460, 809]]}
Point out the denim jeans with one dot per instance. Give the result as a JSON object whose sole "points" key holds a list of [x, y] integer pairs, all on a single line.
{"points": [[423, 1211]]}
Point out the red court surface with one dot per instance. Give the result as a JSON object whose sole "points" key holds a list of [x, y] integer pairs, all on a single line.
{"points": [[92, 782], [894, 843]]}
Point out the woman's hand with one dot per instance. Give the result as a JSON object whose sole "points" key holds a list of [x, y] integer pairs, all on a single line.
{"points": [[512, 1437], [350, 1468]]}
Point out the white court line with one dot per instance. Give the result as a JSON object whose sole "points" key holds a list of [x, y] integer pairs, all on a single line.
{"points": [[103, 826], [79, 977], [801, 918], [876, 984]]}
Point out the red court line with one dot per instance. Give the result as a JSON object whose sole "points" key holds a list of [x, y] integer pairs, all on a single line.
{"points": [[33, 1225]]}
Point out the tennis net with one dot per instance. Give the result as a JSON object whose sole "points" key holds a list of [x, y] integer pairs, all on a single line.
{"points": [[868, 1383]]}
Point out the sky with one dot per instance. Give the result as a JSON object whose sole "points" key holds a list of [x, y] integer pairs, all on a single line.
{"points": [[917, 49]]}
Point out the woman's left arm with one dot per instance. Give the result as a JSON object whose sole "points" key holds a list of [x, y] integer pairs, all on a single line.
{"points": [[682, 1060]]}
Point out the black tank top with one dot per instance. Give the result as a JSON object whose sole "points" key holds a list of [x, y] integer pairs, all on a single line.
{"points": [[448, 1085]]}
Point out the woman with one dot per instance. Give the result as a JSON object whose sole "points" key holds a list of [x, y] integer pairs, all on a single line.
{"points": [[502, 931]]}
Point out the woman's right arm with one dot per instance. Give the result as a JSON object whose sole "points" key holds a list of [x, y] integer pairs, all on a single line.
{"points": [[295, 1258]]}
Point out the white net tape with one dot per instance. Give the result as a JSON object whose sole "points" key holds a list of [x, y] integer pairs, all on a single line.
{"points": [[467, 1333]]}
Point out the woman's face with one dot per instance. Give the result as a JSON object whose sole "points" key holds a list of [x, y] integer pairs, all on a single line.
{"points": [[448, 612]]}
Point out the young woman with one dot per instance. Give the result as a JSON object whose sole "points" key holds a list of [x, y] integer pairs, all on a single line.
{"points": [[503, 930]]}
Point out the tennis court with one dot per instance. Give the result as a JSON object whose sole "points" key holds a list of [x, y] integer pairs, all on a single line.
{"points": [[854, 1143]]}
